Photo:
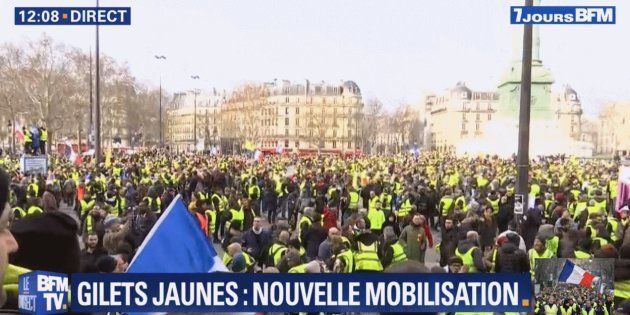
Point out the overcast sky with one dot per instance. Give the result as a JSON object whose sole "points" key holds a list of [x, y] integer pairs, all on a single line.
{"points": [[394, 50]]}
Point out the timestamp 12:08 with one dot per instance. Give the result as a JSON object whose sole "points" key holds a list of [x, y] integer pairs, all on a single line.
{"points": [[43, 16]]}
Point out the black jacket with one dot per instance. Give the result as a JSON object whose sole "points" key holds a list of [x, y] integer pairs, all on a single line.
{"points": [[511, 259], [47, 242], [313, 237]]}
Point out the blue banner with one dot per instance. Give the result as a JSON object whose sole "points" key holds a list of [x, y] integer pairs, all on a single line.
{"points": [[357, 292], [72, 16], [562, 15]]}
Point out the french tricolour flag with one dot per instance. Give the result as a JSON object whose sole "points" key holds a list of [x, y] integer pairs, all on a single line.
{"points": [[574, 274], [176, 244]]}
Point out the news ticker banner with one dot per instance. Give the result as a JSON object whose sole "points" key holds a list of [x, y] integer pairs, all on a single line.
{"points": [[563, 15], [240, 292], [72, 16]]}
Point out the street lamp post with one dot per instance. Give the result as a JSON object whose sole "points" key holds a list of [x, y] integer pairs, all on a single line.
{"points": [[524, 114], [160, 57], [195, 91], [97, 119]]}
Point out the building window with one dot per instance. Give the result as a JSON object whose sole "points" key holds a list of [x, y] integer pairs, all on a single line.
{"points": [[349, 145], [286, 143], [489, 116], [287, 99], [349, 133], [298, 100], [334, 144], [478, 116], [477, 126], [297, 110], [297, 122], [297, 144], [286, 121], [323, 100], [286, 111], [286, 132], [334, 133], [464, 127]]}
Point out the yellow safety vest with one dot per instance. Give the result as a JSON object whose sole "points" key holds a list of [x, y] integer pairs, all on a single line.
{"points": [[467, 259], [44, 135], [386, 202], [581, 255], [377, 218], [601, 205], [18, 213], [613, 186], [622, 289], [348, 260], [304, 219], [34, 210], [298, 269], [448, 202], [461, 200], [212, 218], [27, 136], [366, 258], [354, 200], [405, 209], [276, 251], [495, 205], [399, 253], [237, 216], [534, 190], [374, 203], [533, 255]]}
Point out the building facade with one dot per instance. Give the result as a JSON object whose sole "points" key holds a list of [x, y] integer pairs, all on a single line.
{"points": [[457, 115], [293, 117], [613, 134], [465, 121], [181, 120]]}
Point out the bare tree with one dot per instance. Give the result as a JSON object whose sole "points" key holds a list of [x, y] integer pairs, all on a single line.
{"points": [[370, 117]]}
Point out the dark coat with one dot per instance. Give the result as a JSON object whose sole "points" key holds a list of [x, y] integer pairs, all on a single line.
{"points": [[313, 237], [511, 259], [450, 238], [532, 221], [256, 244], [47, 242]]}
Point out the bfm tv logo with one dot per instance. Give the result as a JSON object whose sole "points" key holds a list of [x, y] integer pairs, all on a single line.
{"points": [[562, 15], [41, 292]]}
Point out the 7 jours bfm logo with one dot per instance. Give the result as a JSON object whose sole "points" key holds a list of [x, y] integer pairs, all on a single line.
{"points": [[42, 292]]}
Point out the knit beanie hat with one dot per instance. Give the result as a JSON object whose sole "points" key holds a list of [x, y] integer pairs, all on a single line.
{"points": [[238, 263]]}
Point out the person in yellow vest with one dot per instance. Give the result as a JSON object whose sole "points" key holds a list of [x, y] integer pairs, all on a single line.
{"points": [[28, 141], [392, 251], [539, 251], [43, 138], [583, 249], [601, 201], [366, 257], [613, 190], [278, 249], [446, 205], [353, 202], [376, 216], [404, 210], [343, 258], [494, 200], [470, 253], [305, 222]]}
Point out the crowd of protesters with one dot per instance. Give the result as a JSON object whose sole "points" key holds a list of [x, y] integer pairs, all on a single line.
{"points": [[573, 299], [323, 214]]}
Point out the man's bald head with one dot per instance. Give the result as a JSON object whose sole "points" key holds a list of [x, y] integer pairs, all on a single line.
{"points": [[472, 235], [333, 231], [284, 237], [234, 248]]}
